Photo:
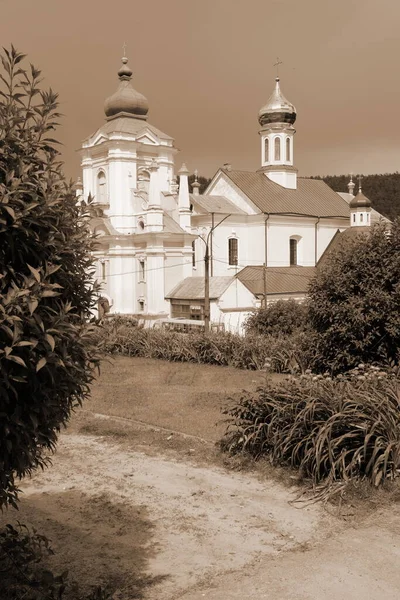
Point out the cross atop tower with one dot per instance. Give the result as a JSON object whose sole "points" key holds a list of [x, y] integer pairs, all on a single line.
{"points": [[359, 182], [124, 49], [278, 62]]}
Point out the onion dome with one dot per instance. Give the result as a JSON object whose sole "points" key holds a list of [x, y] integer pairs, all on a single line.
{"points": [[277, 109], [126, 100], [360, 201]]}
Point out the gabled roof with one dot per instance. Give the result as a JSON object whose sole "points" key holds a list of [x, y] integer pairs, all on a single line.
{"points": [[192, 288], [312, 197], [127, 125], [216, 204], [279, 280]]}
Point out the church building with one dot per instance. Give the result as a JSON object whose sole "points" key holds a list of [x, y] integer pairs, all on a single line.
{"points": [[265, 231]]}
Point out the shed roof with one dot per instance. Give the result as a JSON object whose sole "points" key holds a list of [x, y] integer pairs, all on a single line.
{"points": [[192, 288], [312, 197], [279, 280]]}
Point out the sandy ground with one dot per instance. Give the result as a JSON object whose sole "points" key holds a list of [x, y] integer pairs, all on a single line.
{"points": [[154, 513], [164, 527]]}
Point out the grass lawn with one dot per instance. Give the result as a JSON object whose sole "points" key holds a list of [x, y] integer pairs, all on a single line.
{"points": [[184, 397]]}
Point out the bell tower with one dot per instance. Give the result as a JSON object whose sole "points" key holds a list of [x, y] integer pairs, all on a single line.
{"points": [[277, 132]]}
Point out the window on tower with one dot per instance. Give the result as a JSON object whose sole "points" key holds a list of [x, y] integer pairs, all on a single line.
{"points": [[266, 150], [233, 251], [277, 148], [287, 149], [361, 218], [293, 252], [101, 188]]}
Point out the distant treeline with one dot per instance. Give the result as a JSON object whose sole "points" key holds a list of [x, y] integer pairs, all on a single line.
{"points": [[383, 190]]}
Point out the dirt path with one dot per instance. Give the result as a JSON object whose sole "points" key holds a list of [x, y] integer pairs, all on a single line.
{"points": [[167, 528]]}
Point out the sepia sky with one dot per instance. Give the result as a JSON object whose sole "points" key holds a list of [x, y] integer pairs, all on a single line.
{"points": [[206, 67]]}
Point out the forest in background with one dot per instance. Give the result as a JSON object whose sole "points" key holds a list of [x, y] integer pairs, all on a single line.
{"points": [[383, 190]]}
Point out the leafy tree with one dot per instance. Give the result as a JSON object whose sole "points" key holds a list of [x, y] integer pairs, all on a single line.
{"points": [[354, 301], [203, 181], [283, 317], [46, 294]]}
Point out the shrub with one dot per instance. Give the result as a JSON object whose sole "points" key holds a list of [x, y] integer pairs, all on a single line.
{"points": [[22, 574], [287, 354], [280, 318], [46, 295], [329, 430], [354, 307]]}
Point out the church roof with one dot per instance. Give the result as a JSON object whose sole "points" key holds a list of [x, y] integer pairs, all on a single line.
{"points": [[216, 204], [312, 197], [128, 126], [279, 280], [192, 288], [171, 226], [376, 216]]}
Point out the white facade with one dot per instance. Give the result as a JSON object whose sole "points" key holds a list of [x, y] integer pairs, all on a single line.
{"points": [[149, 230]]}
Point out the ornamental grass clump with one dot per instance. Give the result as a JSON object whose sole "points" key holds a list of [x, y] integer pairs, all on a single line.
{"points": [[331, 431], [121, 335]]}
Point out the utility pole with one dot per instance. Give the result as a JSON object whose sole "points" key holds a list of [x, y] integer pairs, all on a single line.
{"points": [[207, 274], [265, 284], [207, 290]]}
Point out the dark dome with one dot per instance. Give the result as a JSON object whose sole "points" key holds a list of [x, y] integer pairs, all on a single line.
{"points": [[277, 109], [360, 201], [126, 99]]}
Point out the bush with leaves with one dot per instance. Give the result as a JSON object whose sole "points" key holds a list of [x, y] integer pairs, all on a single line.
{"points": [[283, 317], [354, 305], [332, 431], [46, 292], [24, 576]]}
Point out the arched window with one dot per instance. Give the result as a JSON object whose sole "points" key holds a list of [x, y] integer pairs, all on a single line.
{"points": [[293, 251], [367, 217], [361, 218], [101, 188], [233, 251], [277, 148], [287, 149], [266, 150], [141, 224], [354, 217]]}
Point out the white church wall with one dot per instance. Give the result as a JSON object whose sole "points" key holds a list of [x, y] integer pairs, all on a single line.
{"points": [[178, 266], [224, 187], [326, 231], [280, 231]]}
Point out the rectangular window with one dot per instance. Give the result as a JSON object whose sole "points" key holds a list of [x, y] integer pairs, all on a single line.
{"points": [[193, 253], [142, 270], [233, 251], [293, 253]]}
